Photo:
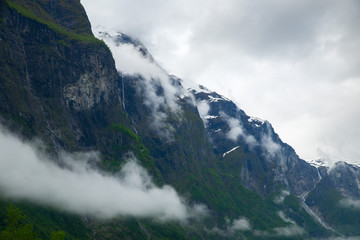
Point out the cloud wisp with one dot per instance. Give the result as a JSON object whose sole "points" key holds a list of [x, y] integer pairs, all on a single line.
{"points": [[288, 231], [27, 174], [350, 203], [268, 143], [242, 224], [279, 199], [237, 225], [236, 131], [203, 109]]}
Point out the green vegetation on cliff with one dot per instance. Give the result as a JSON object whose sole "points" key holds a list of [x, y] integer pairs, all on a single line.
{"points": [[33, 10], [17, 227]]}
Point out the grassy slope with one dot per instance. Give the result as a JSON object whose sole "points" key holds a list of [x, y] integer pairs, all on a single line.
{"points": [[33, 10]]}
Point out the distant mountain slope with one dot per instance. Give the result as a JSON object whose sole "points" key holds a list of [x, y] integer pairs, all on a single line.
{"points": [[270, 164], [337, 198]]}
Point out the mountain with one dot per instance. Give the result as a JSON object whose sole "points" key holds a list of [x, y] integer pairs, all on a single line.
{"points": [[229, 174]]}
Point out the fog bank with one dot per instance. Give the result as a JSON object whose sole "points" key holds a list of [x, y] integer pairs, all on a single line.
{"points": [[27, 174]]}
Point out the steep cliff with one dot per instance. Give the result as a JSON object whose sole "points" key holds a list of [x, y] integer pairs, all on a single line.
{"points": [[53, 72]]}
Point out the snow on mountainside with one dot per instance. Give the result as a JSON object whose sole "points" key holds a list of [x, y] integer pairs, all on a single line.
{"points": [[231, 150], [318, 163], [323, 163], [257, 121], [231, 130]]}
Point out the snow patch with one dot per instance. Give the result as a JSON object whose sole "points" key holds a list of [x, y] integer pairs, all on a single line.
{"points": [[190, 85], [258, 122], [226, 153], [210, 117], [217, 99], [318, 163]]}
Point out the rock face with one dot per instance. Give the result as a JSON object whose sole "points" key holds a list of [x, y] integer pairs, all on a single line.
{"points": [[89, 90], [51, 70]]}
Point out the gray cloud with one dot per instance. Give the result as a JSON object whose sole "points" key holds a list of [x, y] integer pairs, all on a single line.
{"points": [[276, 28], [27, 174]]}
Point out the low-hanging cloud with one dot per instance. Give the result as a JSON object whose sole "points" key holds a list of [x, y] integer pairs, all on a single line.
{"points": [[203, 109], [271, 146], [268, 143], [279, 199], [236, 130], [27, 174], [240, 224], [130, 61], [350, 203], [288, 231]]}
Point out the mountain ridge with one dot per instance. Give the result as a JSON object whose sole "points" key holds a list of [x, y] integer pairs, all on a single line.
{"points": [[131, 106]]}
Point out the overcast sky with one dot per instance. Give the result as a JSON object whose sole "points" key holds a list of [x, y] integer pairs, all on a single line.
{"points": [[294, 63]]}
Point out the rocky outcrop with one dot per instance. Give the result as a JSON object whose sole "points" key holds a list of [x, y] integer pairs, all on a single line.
{"points": [[91, 89]]}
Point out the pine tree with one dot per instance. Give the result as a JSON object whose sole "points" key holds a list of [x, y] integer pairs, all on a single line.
{"points": [[15, 228], [58, 235]]}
